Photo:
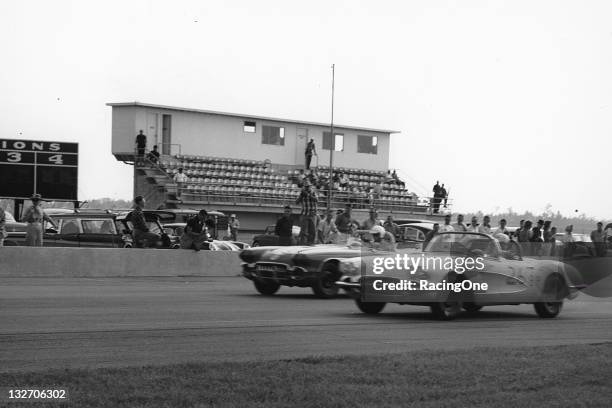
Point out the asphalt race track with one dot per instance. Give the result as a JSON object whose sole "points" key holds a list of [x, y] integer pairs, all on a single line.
{"points": [[109, 322]]}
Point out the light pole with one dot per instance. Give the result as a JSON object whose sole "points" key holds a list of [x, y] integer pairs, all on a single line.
{"points": [[333, 145]]}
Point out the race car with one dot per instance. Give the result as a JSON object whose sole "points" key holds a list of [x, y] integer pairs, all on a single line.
{"points": [[439, 277]]}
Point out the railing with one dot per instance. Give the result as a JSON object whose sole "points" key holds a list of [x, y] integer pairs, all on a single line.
{"points": [[340, 199]]}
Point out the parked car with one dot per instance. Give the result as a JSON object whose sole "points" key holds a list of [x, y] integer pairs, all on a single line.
{"points": [[176, 229], [511, 279], [269, 238]]}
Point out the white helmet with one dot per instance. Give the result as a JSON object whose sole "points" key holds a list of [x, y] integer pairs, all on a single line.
{"points": [[502, 238], [377, 229]]}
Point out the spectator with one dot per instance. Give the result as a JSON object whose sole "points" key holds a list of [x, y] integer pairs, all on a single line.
{"points": [[428, 237], [327, 230], [308, 199], [153, 155], [459, 226], [436, 197], [345, 224], [553, 241], [519, 229], [344, 181], [598, 237], [3, 234], [234, 226], [502, 228], [568, 242], [391, 226], [524, 237], [141, 144], [35, 216], [284, 228], [443, 195], [195, 233], [180, 179], [485, 228], [447, 227], [473, 227], [143, 238], [372, 220], [536, 238], [548, 238], [310, 150]]}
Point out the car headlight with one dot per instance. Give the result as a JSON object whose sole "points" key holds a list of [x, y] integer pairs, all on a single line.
{"points": [[351, 267]]}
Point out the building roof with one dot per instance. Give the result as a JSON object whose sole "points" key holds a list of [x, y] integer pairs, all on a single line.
{"points": [[238, 115]]}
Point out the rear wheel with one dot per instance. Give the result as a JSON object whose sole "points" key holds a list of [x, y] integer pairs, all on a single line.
{"points": [[370, 307], [445, 310], [325, 287], [265, 287]]}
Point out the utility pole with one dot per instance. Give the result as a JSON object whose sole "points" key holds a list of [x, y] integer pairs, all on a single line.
{"points": [[333, 144]]}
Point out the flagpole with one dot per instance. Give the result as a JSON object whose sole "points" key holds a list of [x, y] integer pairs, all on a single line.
{"points": [[333, 144]]}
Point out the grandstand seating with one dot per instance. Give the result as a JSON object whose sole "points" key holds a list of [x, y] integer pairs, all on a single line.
{"points": [[249, 182]]}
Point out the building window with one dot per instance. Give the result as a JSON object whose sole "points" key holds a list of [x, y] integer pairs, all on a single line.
{"points": [[338, 143], [249, 127], [273, 135], [367, 144]]}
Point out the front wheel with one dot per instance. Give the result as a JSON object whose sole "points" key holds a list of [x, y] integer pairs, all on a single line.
{"points": [[471, 307], [370, 307], [445, 310], [266, 288], [325, 286], [548, 310]]}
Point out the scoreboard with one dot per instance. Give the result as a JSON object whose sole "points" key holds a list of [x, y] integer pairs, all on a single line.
{"points": [[47, 168]]}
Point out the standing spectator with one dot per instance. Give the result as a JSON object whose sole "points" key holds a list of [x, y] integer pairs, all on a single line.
{"points": [[553, 241], [473, 227], [2, 227], [143, 237], [519, 229], [345, 224], [598, 237], [35, 216], [568, 242], [536, 238], [524, 237], [234, 226], [502, 228], [344, 180], [548, 238], [308, 199], [284, 228], [428, 237], [443, 195], [485, 228], [195, 233], [141, 144], [372, 220], [328, 232], [153, 155], [310, 151], [436, 197], [459, 226], [447, 227], [391, 226], [180, 179]]}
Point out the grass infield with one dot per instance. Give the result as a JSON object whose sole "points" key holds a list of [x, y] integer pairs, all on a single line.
{"points": [[561, 376]]}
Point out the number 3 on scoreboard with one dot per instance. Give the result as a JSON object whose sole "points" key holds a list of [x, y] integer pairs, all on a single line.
{"points": [[56, 158], [13, 157]]}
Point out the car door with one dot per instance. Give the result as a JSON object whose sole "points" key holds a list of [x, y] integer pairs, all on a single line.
{"points": [[67, 234], [99, 233]]}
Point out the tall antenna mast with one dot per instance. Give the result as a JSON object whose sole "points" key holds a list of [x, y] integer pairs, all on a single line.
{"points": [[333, 144]]}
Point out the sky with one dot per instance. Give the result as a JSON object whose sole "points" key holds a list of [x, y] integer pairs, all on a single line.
{"points": [[508, 103]]}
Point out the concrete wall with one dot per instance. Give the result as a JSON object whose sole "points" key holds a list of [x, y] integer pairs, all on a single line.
{"points": [[205, 134], [110, 262]]}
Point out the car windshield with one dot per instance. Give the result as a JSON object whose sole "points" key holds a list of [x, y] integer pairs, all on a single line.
{"points": [[463, 244]]}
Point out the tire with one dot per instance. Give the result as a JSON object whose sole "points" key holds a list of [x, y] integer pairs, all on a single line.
{"points": [[255, 244], [548, 310], [325, 287], [265, 287], [445, 310], [370, 307], [554, 291], [471, 307]]}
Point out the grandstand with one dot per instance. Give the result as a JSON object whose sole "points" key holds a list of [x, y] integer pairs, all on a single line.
{"points": [[252, 166]]}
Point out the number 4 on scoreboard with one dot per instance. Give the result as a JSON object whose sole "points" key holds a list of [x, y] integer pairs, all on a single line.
{"points": [[56, 158]]}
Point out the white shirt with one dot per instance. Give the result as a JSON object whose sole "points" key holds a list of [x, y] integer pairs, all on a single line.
{"points": [[180, 178], [446, 228], [484, 229], [473, 228]]}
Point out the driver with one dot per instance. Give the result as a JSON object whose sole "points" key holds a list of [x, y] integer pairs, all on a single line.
{"points": [[382, 239]]}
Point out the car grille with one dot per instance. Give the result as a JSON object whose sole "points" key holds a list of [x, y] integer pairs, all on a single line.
{"points": [[267, 270]]}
